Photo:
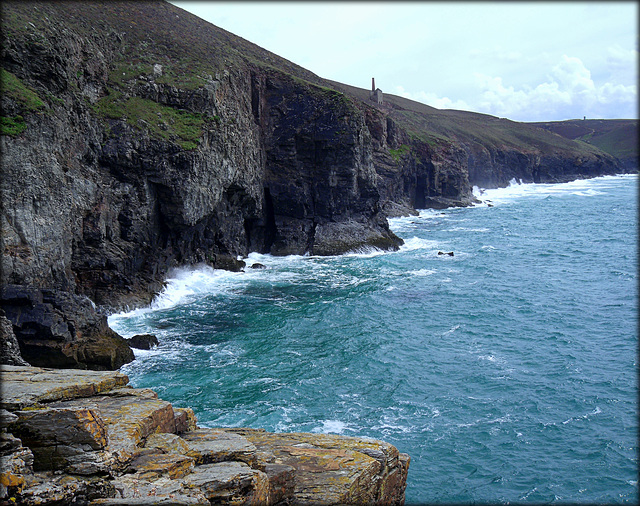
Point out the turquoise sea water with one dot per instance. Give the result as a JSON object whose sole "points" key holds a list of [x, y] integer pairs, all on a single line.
{"points": [[507, 371]]}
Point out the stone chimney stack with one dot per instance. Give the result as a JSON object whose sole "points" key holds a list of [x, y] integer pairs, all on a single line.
{"points": [[373, 84]]}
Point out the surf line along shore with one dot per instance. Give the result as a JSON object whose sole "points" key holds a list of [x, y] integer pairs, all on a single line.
{"points": [[90, 437]]}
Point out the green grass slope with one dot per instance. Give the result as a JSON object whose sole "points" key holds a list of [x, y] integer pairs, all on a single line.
{"points": [[432, 125], [618, 137]]}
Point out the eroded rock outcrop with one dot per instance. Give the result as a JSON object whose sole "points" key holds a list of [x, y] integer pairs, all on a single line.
{"points": [[90, 438], [57, 329], [121, 160], [9, 347]]}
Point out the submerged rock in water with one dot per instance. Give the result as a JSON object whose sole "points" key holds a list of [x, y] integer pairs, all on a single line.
{"points": [[88, 436], [142, 341]]}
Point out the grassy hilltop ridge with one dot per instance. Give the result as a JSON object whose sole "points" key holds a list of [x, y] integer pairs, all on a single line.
{"points": [[618, 137], [465, 126]]}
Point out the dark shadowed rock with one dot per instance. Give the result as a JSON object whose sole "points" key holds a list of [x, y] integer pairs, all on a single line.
{"points": [[9, 347], [59, 329], [227, 263], [142, 341]]}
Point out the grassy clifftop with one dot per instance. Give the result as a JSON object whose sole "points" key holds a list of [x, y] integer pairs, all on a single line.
{"points": [[618, 137], [446, 125], [147, 32]]}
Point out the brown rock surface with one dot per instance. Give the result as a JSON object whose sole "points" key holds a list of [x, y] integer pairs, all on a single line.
{"points": [[88, 438], [230, 483], [336, 469], [26, 386], [209, 446]]}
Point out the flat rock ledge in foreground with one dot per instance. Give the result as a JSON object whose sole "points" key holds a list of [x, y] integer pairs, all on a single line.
{"points": [[87, 437]]}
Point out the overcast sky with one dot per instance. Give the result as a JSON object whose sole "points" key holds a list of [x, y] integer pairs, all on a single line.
{"points": [[537, 61]]}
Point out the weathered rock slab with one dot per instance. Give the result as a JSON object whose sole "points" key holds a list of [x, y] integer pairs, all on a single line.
{"points": [[336, 469], [209, 446], [230, 483], [57, 434], [155, 465], [86, 437], [27, 386], [49, 488], [131, 490], [129, 420]]}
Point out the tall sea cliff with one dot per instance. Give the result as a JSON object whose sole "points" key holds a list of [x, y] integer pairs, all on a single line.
{"points": [[137, 138]]}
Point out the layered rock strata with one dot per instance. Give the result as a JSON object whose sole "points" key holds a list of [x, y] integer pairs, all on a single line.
{"points": [[89, 438]]}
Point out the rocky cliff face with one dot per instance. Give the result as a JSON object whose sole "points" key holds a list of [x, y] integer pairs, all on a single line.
{"points": [[119, 171], [136, 137], [413, 173], [250, 160]]}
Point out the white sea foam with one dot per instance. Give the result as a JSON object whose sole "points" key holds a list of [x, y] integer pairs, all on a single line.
{"points": [[224, 358], [451, 330], [422, 272], [183, 285], [526, 496], [595, 411], [331, 427], [417, 243], [517, 189], [186, 284], [466, 229], [366, 252], [144, 354], [589, 193]]}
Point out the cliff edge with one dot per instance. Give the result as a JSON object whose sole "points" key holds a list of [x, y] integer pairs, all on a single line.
{"points": [[87, 437]]}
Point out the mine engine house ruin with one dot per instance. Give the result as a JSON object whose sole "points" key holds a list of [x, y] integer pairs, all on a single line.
{"points": [[376, 93]]}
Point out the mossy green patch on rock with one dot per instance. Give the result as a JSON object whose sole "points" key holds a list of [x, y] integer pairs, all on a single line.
{"points": [[12, 126], [14, 88], [162, 122], [399, 153], [26, 99]]}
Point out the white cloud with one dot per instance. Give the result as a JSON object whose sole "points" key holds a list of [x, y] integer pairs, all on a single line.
{"points": [[622, 64], [569, 89], [571, 74], [612, 92], [432, 99], [527, 61]]}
